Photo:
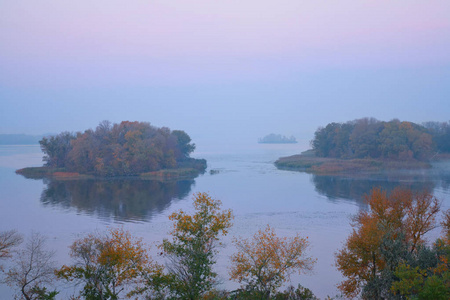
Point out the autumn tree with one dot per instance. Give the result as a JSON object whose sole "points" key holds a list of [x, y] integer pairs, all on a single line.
{"points": [[393, 222], [8, 240], [32, 270], [107, 265], [191, 251], [266, 261]]}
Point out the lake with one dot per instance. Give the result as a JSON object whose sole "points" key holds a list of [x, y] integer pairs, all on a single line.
{"points": [[244, 178]]}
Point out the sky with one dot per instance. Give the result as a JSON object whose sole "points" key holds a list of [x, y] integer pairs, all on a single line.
{"points": [[222, 70]]}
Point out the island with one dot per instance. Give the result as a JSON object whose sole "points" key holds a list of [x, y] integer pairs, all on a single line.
{"points": [[277, 139], [118, 150], [369, 145]]}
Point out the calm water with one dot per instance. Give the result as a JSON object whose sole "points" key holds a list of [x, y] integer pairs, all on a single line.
{"points": [[246, 181]]}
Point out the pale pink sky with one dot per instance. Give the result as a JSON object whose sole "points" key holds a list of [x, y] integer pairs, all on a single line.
{"points": [[49, 45]]}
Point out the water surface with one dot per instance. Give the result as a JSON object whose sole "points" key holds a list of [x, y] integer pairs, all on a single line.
{"points": [[243, 177]]}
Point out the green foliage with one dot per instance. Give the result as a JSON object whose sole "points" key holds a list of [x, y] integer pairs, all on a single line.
{"points": [[370, 138], [44, 294], [192, 250], [128, 148], [425, 274], [291, 293]]}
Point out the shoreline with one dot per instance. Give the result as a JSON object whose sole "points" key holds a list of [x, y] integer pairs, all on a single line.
{"points": [[307, 162], [61, 174]]}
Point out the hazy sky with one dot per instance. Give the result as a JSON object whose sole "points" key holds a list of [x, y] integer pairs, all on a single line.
{"points": [[228, 69]]}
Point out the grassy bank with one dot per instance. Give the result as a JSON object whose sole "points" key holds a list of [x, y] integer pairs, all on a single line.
{"points": [[171, 174], [190, 169], [308, 162], [54, 173]]}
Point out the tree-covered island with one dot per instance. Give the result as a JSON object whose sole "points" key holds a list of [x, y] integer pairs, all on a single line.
{"points": [[111, 150], [371, 145], [277, 139]]}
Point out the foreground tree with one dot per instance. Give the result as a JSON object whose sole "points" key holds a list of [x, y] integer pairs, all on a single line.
{"points": [[395, 223], [191, 252], [32, 270], [8, 240], [266, 261], [426, 273], [108, 264]]}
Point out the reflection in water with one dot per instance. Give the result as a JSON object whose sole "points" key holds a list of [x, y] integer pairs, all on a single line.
{"points": [[355, 188], [122, 199]]}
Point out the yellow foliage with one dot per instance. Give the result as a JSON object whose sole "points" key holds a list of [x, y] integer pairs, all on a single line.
{"points": [[116, 259], [266, 261], [192, 249]]}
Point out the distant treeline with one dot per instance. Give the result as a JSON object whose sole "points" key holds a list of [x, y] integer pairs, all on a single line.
{"points": [[277, 139], [19, 139], [370, 138], [128, 148]]}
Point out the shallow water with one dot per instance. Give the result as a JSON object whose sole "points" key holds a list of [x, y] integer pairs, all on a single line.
{"points": [[244, 178]]}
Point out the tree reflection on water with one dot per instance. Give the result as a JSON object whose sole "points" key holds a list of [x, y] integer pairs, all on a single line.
{"points": [[121, 199]]}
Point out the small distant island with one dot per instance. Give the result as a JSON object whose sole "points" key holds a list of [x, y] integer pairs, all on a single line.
{"points": [[118, 150], [277, 139], [369, 145]]}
